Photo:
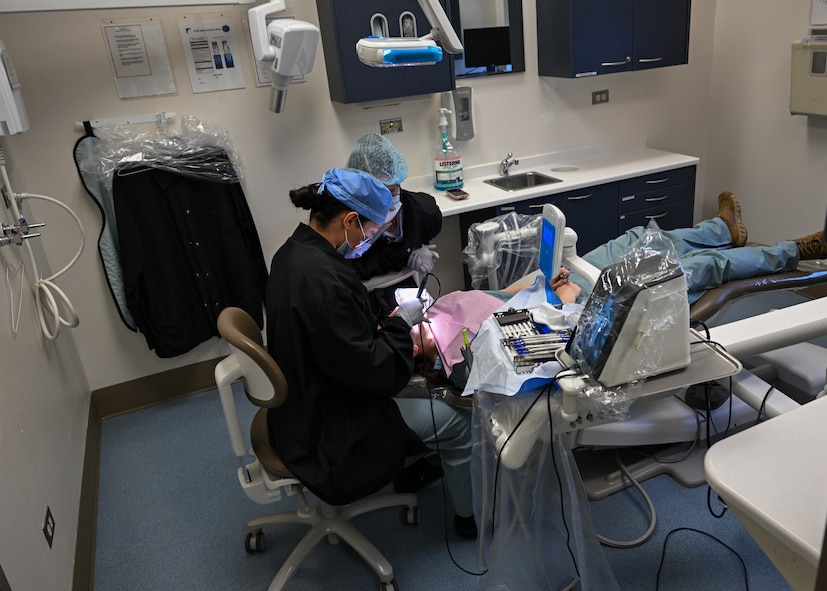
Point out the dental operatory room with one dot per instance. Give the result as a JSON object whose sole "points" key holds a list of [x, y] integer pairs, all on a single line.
{"points": [[413, 295]]}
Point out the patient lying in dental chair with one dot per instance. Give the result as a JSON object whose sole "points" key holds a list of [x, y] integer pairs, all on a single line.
{"points": [[715, 251], [712, 253]]}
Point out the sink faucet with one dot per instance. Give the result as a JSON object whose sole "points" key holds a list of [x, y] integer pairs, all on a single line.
{"points": [[507, 162]]}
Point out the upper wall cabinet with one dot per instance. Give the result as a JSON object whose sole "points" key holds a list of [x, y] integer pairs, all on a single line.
{"points": [[577, 38], [344, 22]]}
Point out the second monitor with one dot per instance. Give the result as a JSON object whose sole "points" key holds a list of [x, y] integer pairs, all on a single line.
{"points": [[487, 47]]}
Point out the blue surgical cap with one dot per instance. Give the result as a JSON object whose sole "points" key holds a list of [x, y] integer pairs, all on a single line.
{"points": [[375, 154], [359, 191]]}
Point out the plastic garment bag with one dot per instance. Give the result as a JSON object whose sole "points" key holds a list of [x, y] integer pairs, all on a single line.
{"points": [[178, 241]]}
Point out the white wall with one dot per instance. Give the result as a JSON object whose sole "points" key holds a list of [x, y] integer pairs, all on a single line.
{"points": [[773, 161], [63, 66]]}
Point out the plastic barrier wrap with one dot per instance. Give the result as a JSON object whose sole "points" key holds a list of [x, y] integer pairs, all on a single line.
{"points": [[636, 321], [535, 527], [503, 249], [198, 149]]}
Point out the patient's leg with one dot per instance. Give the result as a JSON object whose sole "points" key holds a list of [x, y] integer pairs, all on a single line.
{"points": [[708, 234], [706, 269]]}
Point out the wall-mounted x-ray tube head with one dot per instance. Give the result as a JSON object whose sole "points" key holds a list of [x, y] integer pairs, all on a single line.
{"points": [[385, 52], [288, 45]]}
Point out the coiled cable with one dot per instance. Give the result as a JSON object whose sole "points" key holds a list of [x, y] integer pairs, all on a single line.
{"points": [[49, 298]]}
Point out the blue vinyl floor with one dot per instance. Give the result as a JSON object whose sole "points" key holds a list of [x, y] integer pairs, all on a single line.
{"points": [[172, 517]]}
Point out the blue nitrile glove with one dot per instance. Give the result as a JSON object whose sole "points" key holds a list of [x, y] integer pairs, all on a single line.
{"points": [[423, 258], [411, 312]]}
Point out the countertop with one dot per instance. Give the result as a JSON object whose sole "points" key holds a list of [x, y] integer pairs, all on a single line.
{"points": [[774, 476], [575, 168]]}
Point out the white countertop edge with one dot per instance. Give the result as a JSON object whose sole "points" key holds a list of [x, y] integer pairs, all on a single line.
{"points": [[595, 165], [774, 474]]}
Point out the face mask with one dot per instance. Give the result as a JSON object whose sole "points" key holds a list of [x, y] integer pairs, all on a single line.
{"points": [[350, 252]]}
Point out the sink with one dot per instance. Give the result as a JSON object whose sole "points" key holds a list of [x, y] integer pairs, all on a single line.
{"points": [[515, 182]]}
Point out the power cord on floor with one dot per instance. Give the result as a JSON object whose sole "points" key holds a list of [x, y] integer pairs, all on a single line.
{"points": [[703, 533]]}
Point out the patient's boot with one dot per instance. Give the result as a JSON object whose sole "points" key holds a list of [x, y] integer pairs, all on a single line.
{"points": [[811, 247], [729, 210]]}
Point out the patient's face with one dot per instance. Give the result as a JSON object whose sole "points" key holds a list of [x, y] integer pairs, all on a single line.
{"points": [[424, 342]]}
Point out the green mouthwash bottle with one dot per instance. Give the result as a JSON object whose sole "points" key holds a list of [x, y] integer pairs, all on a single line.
{"points": [[448, 160]]}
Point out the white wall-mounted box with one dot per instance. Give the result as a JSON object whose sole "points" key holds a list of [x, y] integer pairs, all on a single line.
{"points": [[808, 76]]}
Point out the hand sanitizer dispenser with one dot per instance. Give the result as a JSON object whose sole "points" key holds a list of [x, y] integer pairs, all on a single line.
{"points": [[808, 76], [458, 101]]}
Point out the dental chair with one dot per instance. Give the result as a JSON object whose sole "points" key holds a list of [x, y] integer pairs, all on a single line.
{"points": [[265, 479], [500, 255]]}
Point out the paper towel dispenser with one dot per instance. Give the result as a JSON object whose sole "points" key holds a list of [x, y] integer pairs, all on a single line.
{"points": [[808, 76]]}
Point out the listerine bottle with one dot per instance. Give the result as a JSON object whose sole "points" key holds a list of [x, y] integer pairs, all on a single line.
{"points": [[448, 160]]}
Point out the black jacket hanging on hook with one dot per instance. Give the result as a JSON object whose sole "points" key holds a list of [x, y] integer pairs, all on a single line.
{"points": [[188, 249]]}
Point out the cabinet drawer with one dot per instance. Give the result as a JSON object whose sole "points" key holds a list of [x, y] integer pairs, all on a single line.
{"points": [[591, 212], [657, 180], [668, 217], [530, 206], [656, 198]]}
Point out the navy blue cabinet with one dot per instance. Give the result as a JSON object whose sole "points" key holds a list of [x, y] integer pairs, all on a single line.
{"points": [[667, 197], [577, 38], [602, 212], [343, 22]]}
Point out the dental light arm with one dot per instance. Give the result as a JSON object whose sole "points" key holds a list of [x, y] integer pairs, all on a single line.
{"points": [[384, 52], [288, 45]]}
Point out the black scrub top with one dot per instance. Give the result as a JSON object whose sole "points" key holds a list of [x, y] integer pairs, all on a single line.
{"points": [[339, 432]]}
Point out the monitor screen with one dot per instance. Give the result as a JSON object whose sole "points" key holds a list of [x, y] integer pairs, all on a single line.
{"points": [[486, 47], [608, 342]]}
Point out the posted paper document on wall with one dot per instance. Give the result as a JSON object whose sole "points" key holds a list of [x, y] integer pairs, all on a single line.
{"points": [[139, 57], [211, 50]]}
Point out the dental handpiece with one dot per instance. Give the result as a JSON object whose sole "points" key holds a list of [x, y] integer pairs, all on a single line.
{"points": [[422, 285]]}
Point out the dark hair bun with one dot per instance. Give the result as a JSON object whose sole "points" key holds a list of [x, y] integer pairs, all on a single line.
{"points": [[305, 197]]}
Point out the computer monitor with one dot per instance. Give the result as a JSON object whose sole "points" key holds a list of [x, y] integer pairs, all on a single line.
{"points": [[551, 245], [487, 47], [635, 322]]}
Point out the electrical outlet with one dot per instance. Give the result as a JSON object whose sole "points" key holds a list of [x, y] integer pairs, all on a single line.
{"points": [[390, 125], [49, 526], [600, 96]]}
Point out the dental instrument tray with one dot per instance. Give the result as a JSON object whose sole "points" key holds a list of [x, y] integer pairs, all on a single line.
{"points": [[527, 343]]}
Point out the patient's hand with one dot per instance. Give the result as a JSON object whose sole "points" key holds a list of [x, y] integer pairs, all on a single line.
{"points": [[567, 292]]}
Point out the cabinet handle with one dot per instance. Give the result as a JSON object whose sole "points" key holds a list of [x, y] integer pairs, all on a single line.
{"points": [[657, 181], [536, 205], [649, 60], [623, 63], [578, 197], [655, 217], [661, 198]]}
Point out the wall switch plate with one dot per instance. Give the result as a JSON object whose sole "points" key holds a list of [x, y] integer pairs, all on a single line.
{"points": [[390, 125], [600, 96], [49, 526]]}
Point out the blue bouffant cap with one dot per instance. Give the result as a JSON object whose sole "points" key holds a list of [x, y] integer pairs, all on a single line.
{"points": [[360, 191], [375, 154]]}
